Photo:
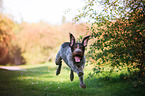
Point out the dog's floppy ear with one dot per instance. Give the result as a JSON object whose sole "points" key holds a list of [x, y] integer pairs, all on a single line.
{"points": [[85, 41], [72, 40]]}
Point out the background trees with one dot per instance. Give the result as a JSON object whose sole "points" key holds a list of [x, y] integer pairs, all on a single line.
{"points": [[6, 26], [33, 43]]}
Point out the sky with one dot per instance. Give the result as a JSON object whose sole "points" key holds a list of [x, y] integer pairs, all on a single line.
{"points": [[50, 11]]}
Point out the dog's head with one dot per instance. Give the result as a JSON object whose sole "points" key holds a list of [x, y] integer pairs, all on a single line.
{"points": [[78, 48]]}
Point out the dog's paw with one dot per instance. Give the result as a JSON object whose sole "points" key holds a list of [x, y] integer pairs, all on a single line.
{"points": [[57, 72], [71, 77], [83, 86]]}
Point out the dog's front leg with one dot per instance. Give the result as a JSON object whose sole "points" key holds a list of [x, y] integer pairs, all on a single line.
{"points": [[82, 84], [80, 73]]}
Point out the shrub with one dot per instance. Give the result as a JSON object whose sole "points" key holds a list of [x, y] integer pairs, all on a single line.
{"points": [[119, 34]]}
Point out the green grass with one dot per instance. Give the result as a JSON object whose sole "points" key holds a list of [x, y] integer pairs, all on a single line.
{"points": [[40, 80]]}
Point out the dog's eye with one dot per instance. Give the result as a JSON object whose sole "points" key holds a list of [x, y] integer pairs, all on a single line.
{"points": [[81, 47]]}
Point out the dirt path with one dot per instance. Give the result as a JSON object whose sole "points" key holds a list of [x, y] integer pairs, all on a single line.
{"points": [[14, 68]]}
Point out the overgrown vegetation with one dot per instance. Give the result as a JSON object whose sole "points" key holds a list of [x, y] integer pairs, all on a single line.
{"points": [[119, 33]]}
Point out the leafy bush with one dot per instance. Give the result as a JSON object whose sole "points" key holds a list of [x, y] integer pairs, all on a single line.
{"points": [[119, 32]]}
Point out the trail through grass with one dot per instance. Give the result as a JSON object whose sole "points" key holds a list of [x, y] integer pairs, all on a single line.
{"points": [[40, 80]]}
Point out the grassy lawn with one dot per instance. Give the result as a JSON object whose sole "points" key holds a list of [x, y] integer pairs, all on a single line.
{"points": [[40, 80]]}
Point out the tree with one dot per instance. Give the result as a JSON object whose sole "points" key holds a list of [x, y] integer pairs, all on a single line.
{"points": [[6, 26], [119, 31]]}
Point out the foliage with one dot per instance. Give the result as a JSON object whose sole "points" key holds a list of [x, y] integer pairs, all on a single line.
{"points": [[39, 42], [6, 26], [119, 32], [33, 43]]}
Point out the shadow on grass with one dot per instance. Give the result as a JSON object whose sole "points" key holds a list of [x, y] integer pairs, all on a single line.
{"points": [[41, 81]]}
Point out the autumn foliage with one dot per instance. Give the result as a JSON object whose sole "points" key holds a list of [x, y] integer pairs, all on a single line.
{"points": [[6, 26], [34, 43]]}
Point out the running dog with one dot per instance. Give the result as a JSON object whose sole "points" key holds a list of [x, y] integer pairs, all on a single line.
{"points": [[72, 54]]}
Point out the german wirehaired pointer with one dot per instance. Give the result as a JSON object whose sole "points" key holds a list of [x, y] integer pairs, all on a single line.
{"points": [[73, 55]]}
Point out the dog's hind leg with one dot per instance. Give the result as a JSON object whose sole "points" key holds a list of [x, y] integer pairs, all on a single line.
{"points": [[58, 62], [58, 69], [71, 75]]}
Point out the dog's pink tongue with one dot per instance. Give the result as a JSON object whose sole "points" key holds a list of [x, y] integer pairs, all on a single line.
{"points": [[77, 59]]}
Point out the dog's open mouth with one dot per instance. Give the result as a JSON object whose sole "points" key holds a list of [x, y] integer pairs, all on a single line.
{"points": [[77, 59]]}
